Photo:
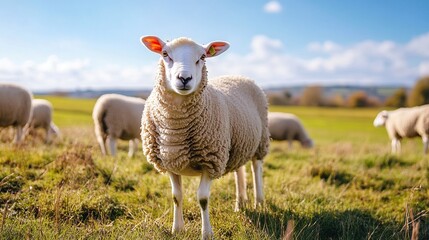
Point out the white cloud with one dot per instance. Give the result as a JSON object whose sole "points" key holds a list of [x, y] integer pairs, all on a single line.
{"points": [[419, 45], [326, 47], [57, 74], [424, 68], [363, 63], [273, 7], [267, 62]]}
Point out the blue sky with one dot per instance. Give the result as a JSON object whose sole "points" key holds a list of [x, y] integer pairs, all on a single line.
{"points": [[52, 45]]}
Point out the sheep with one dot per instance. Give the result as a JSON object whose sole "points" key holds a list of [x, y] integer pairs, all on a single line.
{"points": [[117, 116], [287, 126], [42, 118], [15, 108], [195, 127], [405, 123]]}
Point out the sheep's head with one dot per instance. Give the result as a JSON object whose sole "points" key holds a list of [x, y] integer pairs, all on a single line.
{"points": [[184, 60], [380, 119]]}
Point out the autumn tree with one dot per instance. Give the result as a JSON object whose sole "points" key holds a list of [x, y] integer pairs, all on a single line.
{"points": [[420, 93], [397, 99], [361, 99], [312, 96]]}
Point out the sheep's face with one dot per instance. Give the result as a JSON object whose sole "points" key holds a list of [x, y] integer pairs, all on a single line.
{"points": [[184, 61], [380, 119], [307, 143]]}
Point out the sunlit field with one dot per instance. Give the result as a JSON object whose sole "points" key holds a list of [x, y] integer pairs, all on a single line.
{"points": [[348, 187]]}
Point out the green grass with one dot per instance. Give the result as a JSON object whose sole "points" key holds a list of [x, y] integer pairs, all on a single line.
{"points": [[347, 187]]}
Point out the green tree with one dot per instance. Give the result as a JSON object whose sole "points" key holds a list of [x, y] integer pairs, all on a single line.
{"points": [[398, 99], [420, 93]]}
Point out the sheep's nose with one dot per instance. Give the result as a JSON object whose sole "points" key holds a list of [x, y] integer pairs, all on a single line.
{"points": [[184, 79]]}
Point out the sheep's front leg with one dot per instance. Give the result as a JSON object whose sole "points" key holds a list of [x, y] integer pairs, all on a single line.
{"points": [[257, 182], [176, 187], [203, 198], [48, 135], [425, 143], [396, 146], [112, 145], [133, 147], [240, 187]]}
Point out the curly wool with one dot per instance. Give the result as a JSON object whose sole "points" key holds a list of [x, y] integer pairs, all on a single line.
{"points": [[218, 128]]}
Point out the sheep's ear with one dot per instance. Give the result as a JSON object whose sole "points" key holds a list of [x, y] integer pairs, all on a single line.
{"points": [[215, 48], [153, 43]]}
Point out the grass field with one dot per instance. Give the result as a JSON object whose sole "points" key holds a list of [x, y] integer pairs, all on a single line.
{"points": [[347, 187]]}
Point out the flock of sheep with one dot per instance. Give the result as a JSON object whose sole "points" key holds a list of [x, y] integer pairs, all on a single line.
{"points": [[194, 127]]}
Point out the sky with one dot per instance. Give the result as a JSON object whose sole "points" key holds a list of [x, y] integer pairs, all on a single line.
{"points": [[78, 45]]}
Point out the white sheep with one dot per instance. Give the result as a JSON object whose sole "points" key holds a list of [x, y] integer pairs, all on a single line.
{"points": [[287, 126], [15, 108], [42, 118], [195, 127], [405, 123], [117, 116]]}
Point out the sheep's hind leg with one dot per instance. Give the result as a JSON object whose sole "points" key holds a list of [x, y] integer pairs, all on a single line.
{"points": [[203, 195], [133, 147], [112, 145], [240, 187], [102, 142], [258, 182], [176, 189], [18, 135]]}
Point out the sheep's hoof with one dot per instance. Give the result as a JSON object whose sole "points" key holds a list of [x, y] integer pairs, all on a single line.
{"points": [[240, 205], [259, 205], [207, 235], [177, 229]]}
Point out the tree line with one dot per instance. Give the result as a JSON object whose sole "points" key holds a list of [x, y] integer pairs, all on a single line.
{"points": [[313, 96]]}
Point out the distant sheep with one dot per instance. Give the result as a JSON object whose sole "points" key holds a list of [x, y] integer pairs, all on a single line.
{"points": [[42, 118], [287, 126], [195, 127], [405, 123], [118, 116], [15, 108]]}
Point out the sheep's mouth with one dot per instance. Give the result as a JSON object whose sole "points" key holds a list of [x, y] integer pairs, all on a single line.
{"points": [[184, 88]]}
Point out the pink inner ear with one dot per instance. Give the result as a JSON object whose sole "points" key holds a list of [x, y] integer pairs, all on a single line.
{"points": [[214, 48], [153, 44]]}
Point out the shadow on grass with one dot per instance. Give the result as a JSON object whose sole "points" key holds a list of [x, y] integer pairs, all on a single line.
{"points": [[349, 224]]}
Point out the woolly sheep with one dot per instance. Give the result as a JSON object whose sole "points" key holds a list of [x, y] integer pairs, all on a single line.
{"points": [[42, 118], [15, 108], [287, 126], [117, 116], [195, 127], [405, 123]]}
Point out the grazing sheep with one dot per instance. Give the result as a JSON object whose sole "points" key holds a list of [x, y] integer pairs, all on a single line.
{"points": [[42, 118], [15, 108], [195, 127], [117, 116], [286, 126], [405, 123]]}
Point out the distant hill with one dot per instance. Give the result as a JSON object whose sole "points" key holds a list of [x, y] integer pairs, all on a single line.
{"points": [[381, 92]]}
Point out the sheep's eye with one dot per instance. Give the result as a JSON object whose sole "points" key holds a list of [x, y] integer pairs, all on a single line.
{"points": [[202, 58]]}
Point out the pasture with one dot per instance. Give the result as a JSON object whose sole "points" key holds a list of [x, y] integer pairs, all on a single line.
{"points": [[347, 187]]}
